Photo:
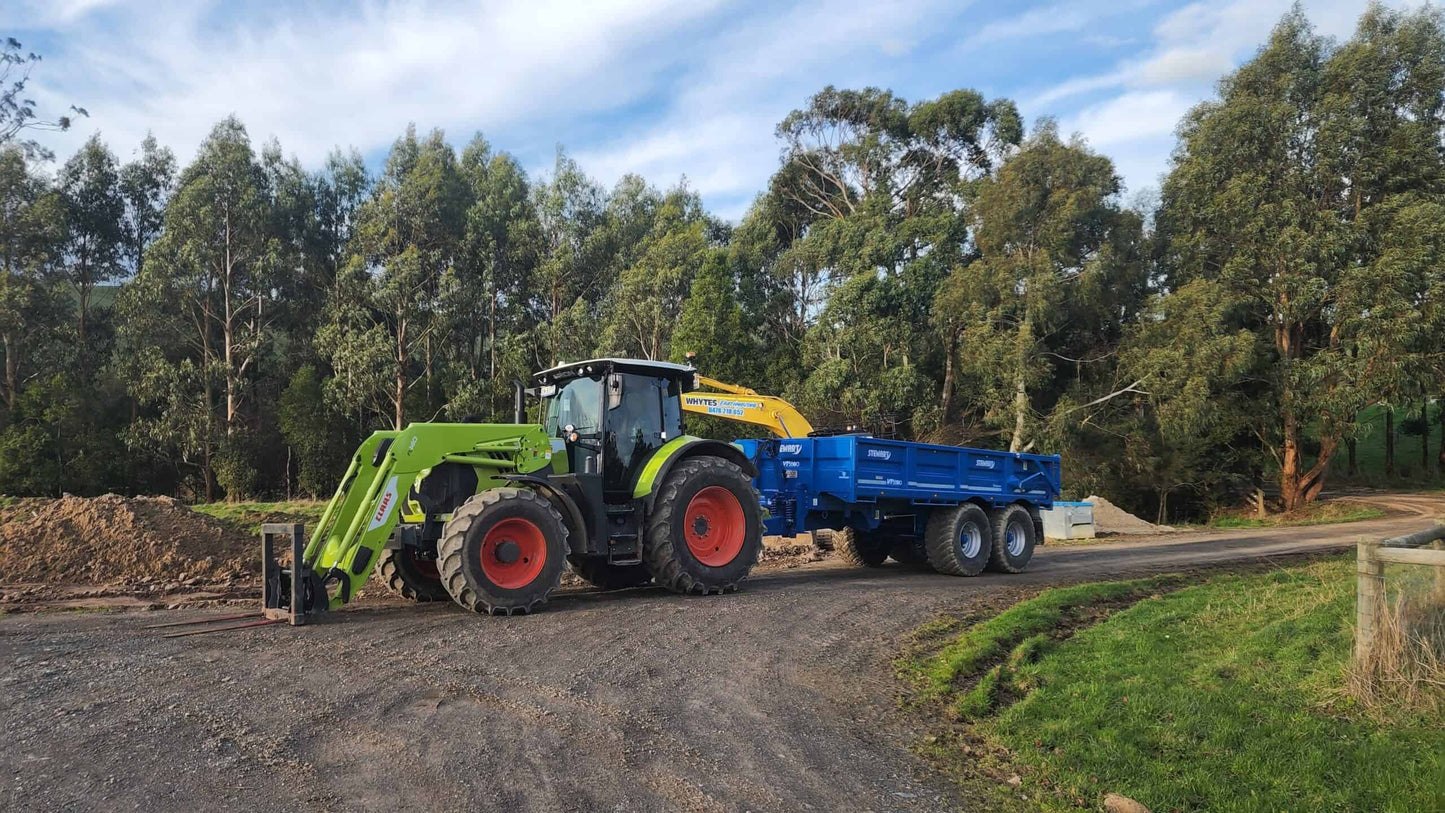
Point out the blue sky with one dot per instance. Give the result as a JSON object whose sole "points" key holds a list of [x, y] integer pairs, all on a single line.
{"points": [[668, 88]]}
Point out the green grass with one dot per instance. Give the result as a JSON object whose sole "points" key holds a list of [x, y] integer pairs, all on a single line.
{"points": [[1320, 513], [247, 517], [1226, 695], [991, 639]]}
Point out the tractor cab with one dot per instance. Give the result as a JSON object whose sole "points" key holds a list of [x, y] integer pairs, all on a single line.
{"points": [[611, 415]]}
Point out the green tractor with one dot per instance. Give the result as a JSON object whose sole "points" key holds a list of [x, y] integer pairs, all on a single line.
{"points": [[489, 515]]}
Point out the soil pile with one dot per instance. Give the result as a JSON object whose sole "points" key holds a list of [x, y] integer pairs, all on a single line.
{"points": [[1111, 519], [119, 540]]}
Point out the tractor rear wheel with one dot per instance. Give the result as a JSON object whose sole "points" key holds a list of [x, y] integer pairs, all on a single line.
{"points": [[861, 548], [503, 551], [706, 528], [605, 576], [410, 574], [958, 540]]}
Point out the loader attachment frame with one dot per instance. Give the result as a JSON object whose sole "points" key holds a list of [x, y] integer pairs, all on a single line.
{"points": [[328, 568]]}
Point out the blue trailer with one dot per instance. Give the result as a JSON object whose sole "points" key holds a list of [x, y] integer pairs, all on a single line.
{"points": [[959, 509]]}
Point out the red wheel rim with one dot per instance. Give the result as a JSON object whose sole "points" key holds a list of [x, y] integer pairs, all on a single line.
{"points": [[714, 526], [513, 553], [426, 567]]}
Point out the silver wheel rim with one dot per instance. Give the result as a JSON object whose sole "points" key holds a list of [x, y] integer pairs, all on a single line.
{"points": [[1014, 537], [970, 540]]}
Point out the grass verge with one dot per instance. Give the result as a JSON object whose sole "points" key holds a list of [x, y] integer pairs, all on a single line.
{"points": [[1229, 694], [247, 517], [1319, 513]]}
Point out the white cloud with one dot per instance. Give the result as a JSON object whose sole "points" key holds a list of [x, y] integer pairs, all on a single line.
{"points": [[1133, 116], [314, 78], [719, 129]]}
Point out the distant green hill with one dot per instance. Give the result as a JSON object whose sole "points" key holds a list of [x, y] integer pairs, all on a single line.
{"points": [[1370, 449]]}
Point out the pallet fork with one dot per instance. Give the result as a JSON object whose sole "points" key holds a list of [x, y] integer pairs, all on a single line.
{"points": [[292, 593], [284, 597]]}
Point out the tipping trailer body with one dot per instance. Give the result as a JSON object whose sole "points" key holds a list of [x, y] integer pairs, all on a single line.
{"points": [[863, 482]]}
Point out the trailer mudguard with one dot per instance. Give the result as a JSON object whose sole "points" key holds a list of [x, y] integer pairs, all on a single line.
{"points": [[679, 449]]}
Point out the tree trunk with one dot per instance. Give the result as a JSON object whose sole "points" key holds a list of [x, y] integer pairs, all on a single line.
{"points": [[1297, 487], [1425, 438], [207, 474], [1389, 441], [1021, 393], [399, 391], [12, 370], [948, 376], [1353, 468], [1440, 458], [1163, 516]]}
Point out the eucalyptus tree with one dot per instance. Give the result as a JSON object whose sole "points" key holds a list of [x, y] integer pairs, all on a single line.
{"points": [[1309, 193], [381, 332], [90, 193], [1058, 275], [875, 187], [198, 312], [32, 231], [146, 184]]}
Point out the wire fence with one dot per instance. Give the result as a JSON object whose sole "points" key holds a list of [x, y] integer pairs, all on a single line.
{"points": [[1400, 621]]}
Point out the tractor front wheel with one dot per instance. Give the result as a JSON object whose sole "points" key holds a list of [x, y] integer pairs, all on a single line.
{"points": [[706, 528], [410, 574], [503, 551]]}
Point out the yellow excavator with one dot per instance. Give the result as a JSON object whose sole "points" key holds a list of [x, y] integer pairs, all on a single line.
{"points": [[733, 403]]}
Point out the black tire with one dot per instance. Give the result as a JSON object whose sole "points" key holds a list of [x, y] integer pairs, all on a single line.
{"points": [[672, 561], [958, 540], [1014, 538], [823, 539], [860, 548], [410, 575], [502, 590], [605, 576]]}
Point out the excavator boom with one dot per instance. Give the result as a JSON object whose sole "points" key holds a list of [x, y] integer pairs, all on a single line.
{"points": [[733, 403]]}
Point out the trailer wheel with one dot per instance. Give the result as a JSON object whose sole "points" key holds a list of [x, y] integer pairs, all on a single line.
{"points": [[410, 575], [605, 576], [503, 551], [1014, 537], [706, 528], [958, 540], [861, 548]]}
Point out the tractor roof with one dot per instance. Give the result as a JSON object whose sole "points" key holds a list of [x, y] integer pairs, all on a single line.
{"points": [[662, 369]]}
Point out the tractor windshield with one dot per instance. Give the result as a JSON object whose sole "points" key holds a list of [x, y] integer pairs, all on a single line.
{"points": [[578, 403]]}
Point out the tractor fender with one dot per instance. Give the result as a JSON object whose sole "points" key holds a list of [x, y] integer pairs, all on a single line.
{"points": [[576, 526], [679, 449]]}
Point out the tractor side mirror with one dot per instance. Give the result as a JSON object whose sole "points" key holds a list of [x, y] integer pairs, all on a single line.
{"points": [[614, 391]]}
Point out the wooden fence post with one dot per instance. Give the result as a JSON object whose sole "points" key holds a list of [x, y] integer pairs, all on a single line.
{"points": [[1369, 596]]}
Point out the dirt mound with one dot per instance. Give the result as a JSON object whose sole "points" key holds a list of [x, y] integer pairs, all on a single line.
{"points": [[119, 540], [1111, 519]]}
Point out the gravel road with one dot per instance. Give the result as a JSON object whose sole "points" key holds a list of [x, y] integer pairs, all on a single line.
{"points": [[780, 697]]}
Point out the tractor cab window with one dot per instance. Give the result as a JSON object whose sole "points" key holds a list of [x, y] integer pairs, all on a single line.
{"points": [[578, 404], [635, 427]]}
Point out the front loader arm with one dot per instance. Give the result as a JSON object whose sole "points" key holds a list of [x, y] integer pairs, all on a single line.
{"points": [[365, 509]]}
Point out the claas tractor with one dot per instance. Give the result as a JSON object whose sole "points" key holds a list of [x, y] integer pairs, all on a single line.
{"points": [[490, 515]]}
